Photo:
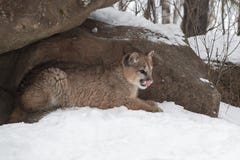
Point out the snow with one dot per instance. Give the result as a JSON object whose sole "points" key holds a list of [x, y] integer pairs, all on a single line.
{"points": [[207, 82], [229, 113], [95, 30], [204, 80], [117, 18], [90, 134], [86, 2], [217, 47]]}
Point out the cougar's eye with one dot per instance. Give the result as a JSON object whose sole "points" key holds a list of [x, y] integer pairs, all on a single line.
{"points": [[142, 71]]}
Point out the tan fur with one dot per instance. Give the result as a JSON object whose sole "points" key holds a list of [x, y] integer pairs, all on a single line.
{"points": [[96, 87]]}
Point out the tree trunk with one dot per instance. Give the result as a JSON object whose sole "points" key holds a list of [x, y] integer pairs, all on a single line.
{"points": [[238, 29], [223, 17], [147, 11], [122, 5], [176, 13], [136, 8], [154, 11], [151, 12], [195, 19], [165, 11], [212, 15]]}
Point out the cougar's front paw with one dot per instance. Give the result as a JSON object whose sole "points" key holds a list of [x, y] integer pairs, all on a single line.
{"points": [[157, 109], [154, 105]]}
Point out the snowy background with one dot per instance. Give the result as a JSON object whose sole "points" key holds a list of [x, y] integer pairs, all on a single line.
{"points": [[89, 133], [216, 47]]}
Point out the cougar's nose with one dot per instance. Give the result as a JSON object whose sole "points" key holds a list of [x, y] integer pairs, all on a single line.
{"points": [[149, 78]]}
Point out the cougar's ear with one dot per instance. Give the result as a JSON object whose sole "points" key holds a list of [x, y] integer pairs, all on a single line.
{"points": [[131, 58], [150, 54]]}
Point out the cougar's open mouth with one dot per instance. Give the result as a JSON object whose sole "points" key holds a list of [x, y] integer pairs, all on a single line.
{"points": [[145, 83]]}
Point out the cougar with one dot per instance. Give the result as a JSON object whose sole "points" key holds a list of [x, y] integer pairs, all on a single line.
{"points": [[97, 86]]}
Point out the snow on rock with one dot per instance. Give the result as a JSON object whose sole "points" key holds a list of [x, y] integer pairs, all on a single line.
{"points": [[86, 2], [172, 33], [95, 30], [206, 81], [117, 134]]}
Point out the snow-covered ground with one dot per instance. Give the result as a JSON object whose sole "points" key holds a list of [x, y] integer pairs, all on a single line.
{"points": [[121, 134]]}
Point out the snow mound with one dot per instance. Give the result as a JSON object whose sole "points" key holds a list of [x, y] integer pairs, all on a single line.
{"points": [[90, 134], [117, 18]]}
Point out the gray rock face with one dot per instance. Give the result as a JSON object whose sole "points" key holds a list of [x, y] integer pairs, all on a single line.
{"points": [[25, 21], [177, 70], [6, 105]]}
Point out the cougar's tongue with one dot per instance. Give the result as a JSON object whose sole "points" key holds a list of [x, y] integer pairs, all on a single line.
{"points": [[148, 83]]}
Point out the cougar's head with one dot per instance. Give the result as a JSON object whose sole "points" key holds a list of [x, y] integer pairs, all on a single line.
{"points": [[137, 69]]}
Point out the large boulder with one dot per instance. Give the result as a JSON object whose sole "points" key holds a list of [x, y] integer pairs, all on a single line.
{"points": [[179, 75], [25, 21]]}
